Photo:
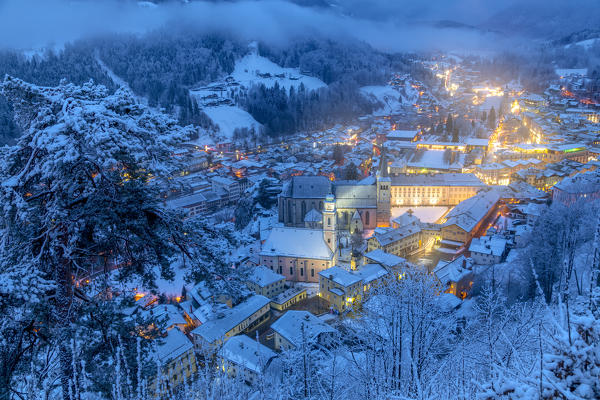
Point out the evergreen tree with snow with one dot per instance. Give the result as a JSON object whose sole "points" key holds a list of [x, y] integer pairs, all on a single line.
{"points": [[81, 194]]}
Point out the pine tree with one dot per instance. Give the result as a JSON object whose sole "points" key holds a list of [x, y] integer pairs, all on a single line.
{"points": [[81, 191], [449, 123]]}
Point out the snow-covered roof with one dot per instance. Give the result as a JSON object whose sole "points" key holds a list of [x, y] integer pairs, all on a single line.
{"points": [[447, 179], [167, 313], [291, 325], [308, 187], [371, 272], [453, 271], [248, 353], [488, 245], [469, 212], [297, 242], [216, 329], [402, 135], [186, 201], [386, 259], [263, 276], [394, 235], [340, 276], [173, 346]]}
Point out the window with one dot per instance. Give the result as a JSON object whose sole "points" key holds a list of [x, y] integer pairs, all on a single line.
{"points": [[303, 209], [329, 221], [291, 270], [312, 272], [301, 271], [367, 218]]}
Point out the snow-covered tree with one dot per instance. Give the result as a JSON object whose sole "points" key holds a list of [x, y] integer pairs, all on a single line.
{"points": [[81, 194]]}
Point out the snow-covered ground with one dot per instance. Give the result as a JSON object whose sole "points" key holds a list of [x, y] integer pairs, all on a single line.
{"points": [[571, 71], [586, 44], [255, 69], [392, 98], [229, 118], [386, 95], [216, 99], [425, 214]]}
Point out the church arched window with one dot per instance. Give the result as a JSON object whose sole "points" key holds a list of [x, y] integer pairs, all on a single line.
{"points": [[367, 218]]}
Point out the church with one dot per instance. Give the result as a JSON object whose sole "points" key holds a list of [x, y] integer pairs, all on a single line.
{"points": [[364, 204], [313, 210]]}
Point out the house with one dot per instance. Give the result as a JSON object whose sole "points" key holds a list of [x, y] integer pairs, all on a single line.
{"points": [[297, 327], [265, 282], [177, 361], [488, 250], [400, 241], [288, 298], [344, 289], [456, 277], [245, 358], [467, 218], [386, 260], [242, 318]]}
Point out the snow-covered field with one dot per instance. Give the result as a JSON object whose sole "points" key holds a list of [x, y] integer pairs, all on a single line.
{"points": [[586, 44], [255, 69], [392, 98], [386, 95], [216, 99], [229, 118], [571, 71], [425, 214]]}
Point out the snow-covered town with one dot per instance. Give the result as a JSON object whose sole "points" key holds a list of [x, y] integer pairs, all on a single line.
{"points": [[199, 215]]}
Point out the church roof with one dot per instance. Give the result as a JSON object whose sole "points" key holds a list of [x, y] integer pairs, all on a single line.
{"points": [[297, 242], [308, 187]]}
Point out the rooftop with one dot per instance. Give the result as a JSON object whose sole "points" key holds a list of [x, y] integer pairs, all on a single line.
{"points": [[386, 259], [173, 346], [296, 242], [263, 276], [488, 245], [248, 353], [292, 323], [469, 212], [216, 329], [449, 179]]}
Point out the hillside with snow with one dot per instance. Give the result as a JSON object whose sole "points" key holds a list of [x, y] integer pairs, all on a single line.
{"points": [[254, 69], [393, 98], [217, 98]]}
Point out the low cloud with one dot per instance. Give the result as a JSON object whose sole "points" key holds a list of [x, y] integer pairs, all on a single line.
{"points": [[386, 25]]}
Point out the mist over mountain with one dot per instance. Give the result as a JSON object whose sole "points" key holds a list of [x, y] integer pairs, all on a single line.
{"points": [[389, 26]]}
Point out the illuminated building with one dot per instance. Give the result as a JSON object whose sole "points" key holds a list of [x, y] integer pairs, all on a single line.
{"points": [[433, 190], [176, 358], [368, 199], [344, 289], [465, 220], [237, 320], [580, 187]]}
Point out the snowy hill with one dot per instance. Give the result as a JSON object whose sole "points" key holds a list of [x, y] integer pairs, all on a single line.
{"points": [[255, 69], [217, 99], [230, 117], [393, 98]]}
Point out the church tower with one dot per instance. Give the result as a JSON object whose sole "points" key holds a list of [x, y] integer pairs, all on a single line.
{"points": [[384, 198], [330, 223]]}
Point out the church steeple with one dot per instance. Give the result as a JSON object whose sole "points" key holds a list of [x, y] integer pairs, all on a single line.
{"points": [[384, 184], [383, 164]]}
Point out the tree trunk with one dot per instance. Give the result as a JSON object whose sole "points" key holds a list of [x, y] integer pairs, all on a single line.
{"points": [[64, 300]]}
